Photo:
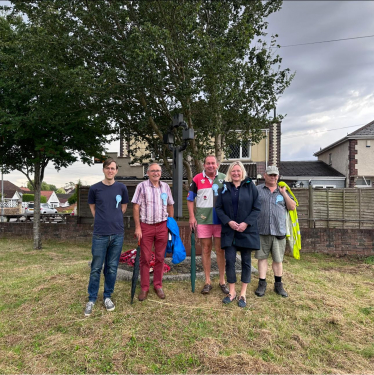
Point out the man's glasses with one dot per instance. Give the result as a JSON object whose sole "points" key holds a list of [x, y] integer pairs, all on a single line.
{"points": [[155, 171]]}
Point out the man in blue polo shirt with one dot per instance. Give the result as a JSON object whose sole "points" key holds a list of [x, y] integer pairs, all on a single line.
{"points": [[108, 202]]}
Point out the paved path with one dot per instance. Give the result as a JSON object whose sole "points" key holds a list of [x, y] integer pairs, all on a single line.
{"points": [[182, 271]]}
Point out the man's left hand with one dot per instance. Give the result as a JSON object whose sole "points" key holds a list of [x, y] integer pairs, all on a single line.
{"points": [[282, 190]]}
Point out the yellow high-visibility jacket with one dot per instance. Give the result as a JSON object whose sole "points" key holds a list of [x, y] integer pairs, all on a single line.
{"points": [[293, 229]]}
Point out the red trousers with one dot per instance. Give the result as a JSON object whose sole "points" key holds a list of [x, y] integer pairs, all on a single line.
{"points": [[156, 234]]}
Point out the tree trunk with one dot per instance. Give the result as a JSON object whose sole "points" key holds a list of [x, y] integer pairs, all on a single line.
{"points": [[36, 223], [218, 147]]}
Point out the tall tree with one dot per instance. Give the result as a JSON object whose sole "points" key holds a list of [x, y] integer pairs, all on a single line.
{"points": [[207, 59], [44, 186], [47, 113]]}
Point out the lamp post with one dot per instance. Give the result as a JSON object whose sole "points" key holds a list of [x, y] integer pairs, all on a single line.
{"points": [[169, 139]]}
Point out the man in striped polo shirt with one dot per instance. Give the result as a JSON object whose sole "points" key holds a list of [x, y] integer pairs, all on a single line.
{"points": [[152, 204], [275, 201], [204, 188]]}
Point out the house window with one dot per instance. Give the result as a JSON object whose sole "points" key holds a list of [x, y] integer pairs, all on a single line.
{"points": [[241, 150], [330, 158], [363, 182], [324, 186]]}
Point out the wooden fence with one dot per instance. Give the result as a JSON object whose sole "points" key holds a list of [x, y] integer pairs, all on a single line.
{"points": [[335, 208], [318, 208]]}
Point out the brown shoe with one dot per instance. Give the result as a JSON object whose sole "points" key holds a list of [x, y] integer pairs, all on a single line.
{"points": [[224, 288], [160, 293], [207, 288], [143, 295]]}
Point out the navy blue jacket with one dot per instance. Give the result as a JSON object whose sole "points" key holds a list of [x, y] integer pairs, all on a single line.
{"points": [[249, 207]]}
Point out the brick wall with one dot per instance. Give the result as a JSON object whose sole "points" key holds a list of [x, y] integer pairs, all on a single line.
{"points": [[274, 144], [12, 210], [339, 242], [352, 162], [80, 232]]}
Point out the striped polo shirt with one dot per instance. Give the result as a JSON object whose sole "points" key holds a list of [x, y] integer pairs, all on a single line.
{"points": [[272, 218], [153, 209]]}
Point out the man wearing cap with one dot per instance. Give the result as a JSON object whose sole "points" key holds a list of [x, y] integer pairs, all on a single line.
{"points": [[275, 202]]}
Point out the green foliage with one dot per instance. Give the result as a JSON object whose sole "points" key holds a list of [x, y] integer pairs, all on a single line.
{"points": [[47, 111], [44, 187], [31, 198], [28, 198], [60, 191], [367, 310], [370, 260], [73, 199], [205, 59]]}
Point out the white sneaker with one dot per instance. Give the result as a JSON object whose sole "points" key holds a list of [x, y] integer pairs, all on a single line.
{"points": [[88, 309], [109, 305]]}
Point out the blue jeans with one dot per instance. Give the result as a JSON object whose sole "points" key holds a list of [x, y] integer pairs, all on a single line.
{"points": [[230, 256], [105, 250]]}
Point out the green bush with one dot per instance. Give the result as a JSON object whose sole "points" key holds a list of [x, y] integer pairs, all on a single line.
{"points": [[30, 198]]}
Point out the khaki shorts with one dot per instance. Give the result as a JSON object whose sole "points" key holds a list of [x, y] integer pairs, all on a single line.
{"points": [[270, 244]]}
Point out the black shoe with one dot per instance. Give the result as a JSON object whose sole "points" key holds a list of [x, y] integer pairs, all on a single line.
{"points": [[278, 288], [228, 299], [260, 291], [242, 302]]}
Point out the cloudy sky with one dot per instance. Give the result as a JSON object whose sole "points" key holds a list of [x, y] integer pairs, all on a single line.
{"points": [[331, 94], [334, 82]]}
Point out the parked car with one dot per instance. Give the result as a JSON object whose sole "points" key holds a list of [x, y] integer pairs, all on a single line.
{"points": [[30, 208], [45, 208]]}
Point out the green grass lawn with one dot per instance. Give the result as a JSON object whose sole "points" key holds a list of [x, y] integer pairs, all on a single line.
{"points": [[325, 326]]}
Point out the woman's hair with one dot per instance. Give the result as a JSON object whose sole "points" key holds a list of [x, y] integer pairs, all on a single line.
{"points": [[232, 165]]}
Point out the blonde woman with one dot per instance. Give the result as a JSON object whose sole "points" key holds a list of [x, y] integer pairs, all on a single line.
{"points": [[237, 208]]}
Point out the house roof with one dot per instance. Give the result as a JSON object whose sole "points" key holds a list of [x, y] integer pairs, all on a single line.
{"points": [[10, 189], [313, 168], [46, 193], [10, 186], [63, 197], [365, 132], [24, 188]]}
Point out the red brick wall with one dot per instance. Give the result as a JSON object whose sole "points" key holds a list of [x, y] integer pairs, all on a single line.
{"points": [[338, 242], [352, 162], [72, 231], [274, 144]]}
